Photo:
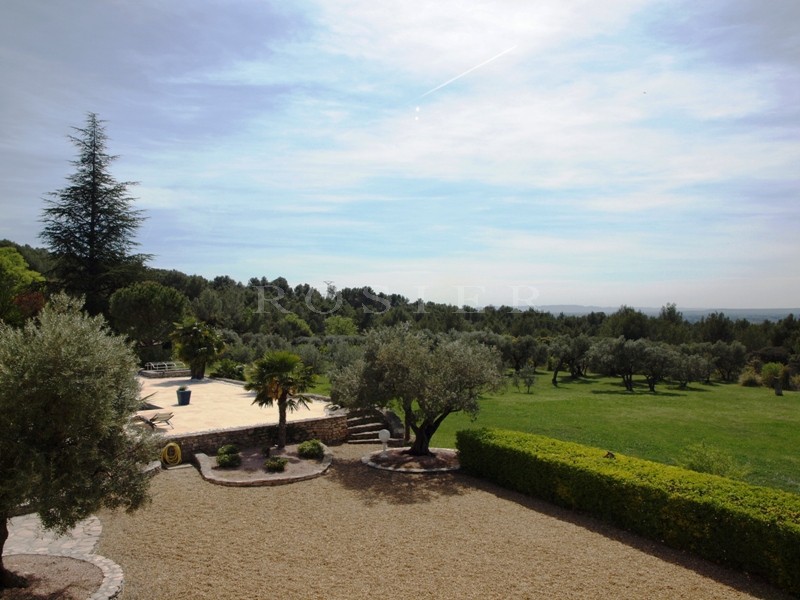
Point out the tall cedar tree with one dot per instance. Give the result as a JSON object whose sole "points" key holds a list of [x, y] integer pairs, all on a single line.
{"points": [[90, 225]]}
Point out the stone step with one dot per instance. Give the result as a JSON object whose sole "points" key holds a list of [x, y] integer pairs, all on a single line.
{"points": [[352, 421], [368, 427], [360, 412], [394, 442], [363, 435]]}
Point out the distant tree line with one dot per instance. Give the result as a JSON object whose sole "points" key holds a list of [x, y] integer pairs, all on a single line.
{"points": [[327, 329]]}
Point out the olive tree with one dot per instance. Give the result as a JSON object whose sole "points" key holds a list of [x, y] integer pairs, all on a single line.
{"points": [[67, 391], [616, 357], [429, 379]]}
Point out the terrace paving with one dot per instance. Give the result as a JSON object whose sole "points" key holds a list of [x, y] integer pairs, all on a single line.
{"points": [[215, 404]]}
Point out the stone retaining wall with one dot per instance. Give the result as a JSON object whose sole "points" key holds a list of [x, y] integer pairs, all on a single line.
{"points": [[328, 430]]}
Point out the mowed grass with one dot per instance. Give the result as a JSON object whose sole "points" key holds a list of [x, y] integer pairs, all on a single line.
{"points": [[752, 425]]}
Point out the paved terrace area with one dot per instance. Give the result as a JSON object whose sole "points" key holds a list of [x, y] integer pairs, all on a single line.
{"points": [[214, 404]]}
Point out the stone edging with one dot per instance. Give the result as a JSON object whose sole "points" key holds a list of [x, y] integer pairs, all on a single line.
{"points": [[205, 465], [113, 578], [367, 460]]}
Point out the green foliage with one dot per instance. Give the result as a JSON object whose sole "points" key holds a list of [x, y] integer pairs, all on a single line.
{"points": [[280, 377], [229, 461], [146, 313], [729, 358], [616, 356], [228, 449], [627, 322], [311, 449], [338, 325], [746, 527], [708, 459], [526, 377], [90, 225], [429, 380], [229, 369], [293, 326], [770, 373], [749, 377], [197, 344], [276, 464], [68, 389], [15, 278]]}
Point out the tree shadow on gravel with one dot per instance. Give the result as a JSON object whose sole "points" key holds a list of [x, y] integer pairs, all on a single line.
{"points": [[742, 582], [375, 486]]}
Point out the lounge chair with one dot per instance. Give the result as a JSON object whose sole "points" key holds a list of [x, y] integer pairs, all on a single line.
{"points": [[156, 419]]}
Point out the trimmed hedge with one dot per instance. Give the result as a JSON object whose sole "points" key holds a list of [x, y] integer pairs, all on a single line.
{"points": [[750, 528]]}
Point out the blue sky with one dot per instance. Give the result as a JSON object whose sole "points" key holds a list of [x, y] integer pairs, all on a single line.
{"points": [[601, 153]]}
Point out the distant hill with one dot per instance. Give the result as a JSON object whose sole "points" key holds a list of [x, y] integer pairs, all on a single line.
{"points": [[754, 315]]}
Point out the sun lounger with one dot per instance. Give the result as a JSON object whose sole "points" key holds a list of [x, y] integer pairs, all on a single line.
{"points": [[156, 419]]}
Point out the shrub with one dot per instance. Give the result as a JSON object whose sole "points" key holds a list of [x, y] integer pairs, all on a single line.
{"points": [[275, 464], [707, 459], [228, 461], [228, 369], [749, 377], [794, 383], [311, 449], [228, 449], [770, 373], [754, 529]]}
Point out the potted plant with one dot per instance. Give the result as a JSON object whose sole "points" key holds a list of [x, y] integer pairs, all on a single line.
{"points": [[184, 395]]}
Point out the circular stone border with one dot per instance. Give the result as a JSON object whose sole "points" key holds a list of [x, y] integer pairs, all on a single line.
{"points": [[367, 460], [113, 578]]}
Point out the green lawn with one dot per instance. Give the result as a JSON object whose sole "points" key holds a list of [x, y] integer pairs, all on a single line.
{"points": [[752, 425]]}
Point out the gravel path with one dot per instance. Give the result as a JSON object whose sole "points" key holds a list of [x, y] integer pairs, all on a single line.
{"points": [[362, 533]]}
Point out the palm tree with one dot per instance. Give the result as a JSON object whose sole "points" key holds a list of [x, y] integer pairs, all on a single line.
{"points": [[280, 377], [198, 344]]}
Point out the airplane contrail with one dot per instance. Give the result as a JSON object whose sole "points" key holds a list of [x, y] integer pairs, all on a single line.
{"points": [[468, 71]]}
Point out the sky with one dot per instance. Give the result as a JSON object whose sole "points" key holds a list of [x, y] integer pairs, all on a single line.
{"points": [[517, 152]]}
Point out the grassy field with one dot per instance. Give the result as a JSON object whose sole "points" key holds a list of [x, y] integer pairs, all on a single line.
{"points": [[752, 425], [758, 430]]}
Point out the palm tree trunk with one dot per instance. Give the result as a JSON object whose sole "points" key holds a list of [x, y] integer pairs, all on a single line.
{"points": [[282, 421]]}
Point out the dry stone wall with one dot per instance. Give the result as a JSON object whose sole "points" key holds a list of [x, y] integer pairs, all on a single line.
{"points": [[329, 430]]}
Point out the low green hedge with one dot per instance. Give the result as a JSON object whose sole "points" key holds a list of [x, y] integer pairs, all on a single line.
{"points": [[753, 529]]}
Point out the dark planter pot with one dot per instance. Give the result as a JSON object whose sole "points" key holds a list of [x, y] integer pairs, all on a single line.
{"points": [[183, 397]]}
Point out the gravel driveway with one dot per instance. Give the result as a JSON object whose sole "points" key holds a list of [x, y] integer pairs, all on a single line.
{"points": [[362, 533]]}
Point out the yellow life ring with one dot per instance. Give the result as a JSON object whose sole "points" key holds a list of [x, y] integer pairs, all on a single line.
{"points": [[171, 454]]}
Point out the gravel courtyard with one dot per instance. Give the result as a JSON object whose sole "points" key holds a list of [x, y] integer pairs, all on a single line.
{"points": [[361, 533]]}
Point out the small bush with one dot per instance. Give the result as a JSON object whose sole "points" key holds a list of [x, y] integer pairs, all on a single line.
{"points": [[311, 449], [707, 459], [276, 464], [770, 373], [228, 461], [228, 449], [794, 383], [749, 378], [229, 369]]}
